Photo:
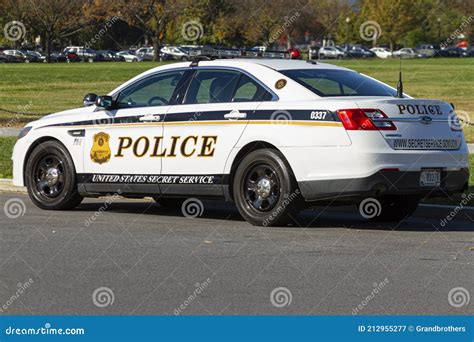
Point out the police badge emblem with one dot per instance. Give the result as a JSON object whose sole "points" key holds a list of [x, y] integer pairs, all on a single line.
{"points": [[280, 83], [100, 151]]}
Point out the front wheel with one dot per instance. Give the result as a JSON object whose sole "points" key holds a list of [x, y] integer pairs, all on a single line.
{"points": [[265, 190], [50, 177]]}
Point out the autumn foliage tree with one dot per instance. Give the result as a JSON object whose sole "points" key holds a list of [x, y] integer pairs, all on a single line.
{"points": [[51, 19]]}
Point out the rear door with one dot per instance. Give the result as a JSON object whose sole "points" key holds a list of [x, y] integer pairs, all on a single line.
{"points": [[200, 133], [421, 124]]}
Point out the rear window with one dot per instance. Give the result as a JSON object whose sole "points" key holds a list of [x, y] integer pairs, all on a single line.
{"points": [[338, 83]]}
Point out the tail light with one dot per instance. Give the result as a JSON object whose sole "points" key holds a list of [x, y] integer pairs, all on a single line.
{"points": [[365, 120]]}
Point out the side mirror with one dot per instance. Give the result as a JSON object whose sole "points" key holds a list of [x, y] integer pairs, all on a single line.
{"points": [[104, 102], [89, 99]]}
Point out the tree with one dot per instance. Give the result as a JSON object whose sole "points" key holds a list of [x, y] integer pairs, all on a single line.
{"points": [[394, 17], [151, 16], [52, 19]]}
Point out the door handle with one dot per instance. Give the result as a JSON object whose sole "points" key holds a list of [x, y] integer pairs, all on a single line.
{"points": [[235, 115], [150, 118]]}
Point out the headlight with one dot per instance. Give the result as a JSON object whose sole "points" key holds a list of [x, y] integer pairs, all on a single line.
{"points": [[24, 131]]}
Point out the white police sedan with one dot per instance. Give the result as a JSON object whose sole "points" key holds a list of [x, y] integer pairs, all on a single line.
{"points": [[270, 135]]}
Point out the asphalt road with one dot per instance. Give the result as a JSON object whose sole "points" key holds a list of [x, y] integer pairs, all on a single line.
{"points": [[135, 257]]}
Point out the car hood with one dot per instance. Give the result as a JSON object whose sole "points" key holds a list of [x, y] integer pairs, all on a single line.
{"points": [[67, 116]]}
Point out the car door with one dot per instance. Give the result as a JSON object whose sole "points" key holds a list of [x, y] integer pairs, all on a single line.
{"points": [[200, 133], [123, 146]]}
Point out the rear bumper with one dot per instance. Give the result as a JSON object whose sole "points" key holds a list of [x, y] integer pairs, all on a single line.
{"points": [[383, 183]]}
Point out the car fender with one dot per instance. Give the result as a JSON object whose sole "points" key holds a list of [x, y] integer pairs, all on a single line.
{"points": [[36, 136]]}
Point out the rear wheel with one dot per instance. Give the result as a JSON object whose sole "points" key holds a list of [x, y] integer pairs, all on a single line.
{"points": [[51, 178], [265, 189]]}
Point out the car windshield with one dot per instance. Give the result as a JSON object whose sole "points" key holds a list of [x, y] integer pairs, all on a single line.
{"points": [[338, 83]]}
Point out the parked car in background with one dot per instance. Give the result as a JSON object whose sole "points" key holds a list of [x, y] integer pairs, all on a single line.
{"points": [[146, 53], [455, 51], [294, 53], [408, 53], [175, 53], [314, 51], [381, 52], [57, 57], [129, 57], [79, 53], [327, 52], [225, 52], [4, 58], [198, 50], [274, 54], [430, 50], [469, 52], [34, 57], [354, 51], [19, 56], [367, 52]]}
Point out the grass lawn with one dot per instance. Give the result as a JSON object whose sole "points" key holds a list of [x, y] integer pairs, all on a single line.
{"points": [[6, 148], [43, 88]]}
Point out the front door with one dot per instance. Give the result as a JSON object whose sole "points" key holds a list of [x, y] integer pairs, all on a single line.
{"points": [[122, 147]]}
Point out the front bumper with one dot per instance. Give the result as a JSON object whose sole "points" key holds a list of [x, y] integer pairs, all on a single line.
{"points": [[383, 183]]}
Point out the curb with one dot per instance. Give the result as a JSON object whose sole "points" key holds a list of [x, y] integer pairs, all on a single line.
{"points": [[6, 185]]}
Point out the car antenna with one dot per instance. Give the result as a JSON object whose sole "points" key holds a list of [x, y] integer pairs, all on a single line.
{"points": [[400, 81]]}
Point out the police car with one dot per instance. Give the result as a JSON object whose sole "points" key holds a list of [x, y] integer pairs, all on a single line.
{"points": [[272, 136]]}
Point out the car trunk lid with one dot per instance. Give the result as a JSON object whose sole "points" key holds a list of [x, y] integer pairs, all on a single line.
{"points": [[420, 124]]}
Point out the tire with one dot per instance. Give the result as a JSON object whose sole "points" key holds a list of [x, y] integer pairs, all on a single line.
{"points": [[50, 177], [169, 202], [265, 190], [396, 208]]}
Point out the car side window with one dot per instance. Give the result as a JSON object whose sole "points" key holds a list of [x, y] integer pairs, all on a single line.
{"points": [[248, 90], [155, 90], [212, 86]]}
